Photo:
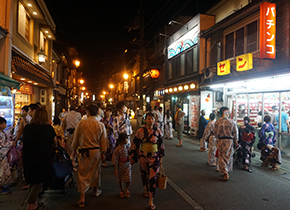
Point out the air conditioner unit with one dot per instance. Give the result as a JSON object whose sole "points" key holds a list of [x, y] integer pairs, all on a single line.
{"points": [[208, 73], [43, 96]]}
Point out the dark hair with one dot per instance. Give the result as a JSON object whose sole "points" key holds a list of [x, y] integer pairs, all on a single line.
{"points": [[56, 121], [122, 137], [2, 120], [267, 118], [33, 106], [155, 107], [222, 109], [212, 116], [120, 105], [178, 106], [247, 118], [38, 104], [40, 117], [160, 108], [93, 109], [72, 107], [149, 114], [25, 108], [260, 145]]}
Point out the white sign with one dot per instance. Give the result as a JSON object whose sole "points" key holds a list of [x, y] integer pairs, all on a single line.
{"points": [[206, 102], [193, 114]]}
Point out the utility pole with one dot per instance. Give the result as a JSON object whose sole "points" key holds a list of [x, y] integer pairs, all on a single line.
{"points": [[141, 52]]}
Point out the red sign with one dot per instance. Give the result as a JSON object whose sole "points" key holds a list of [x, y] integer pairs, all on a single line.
{"points": [[268, 30]]}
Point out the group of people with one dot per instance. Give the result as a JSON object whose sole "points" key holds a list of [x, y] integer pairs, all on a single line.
{"points": [[224, 138]]}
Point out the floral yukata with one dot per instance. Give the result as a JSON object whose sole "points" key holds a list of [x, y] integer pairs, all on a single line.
{"points": [[226, 132], [149, 148], [168, 127], [110, 134], [122, 124], [208, 135], [5, 173], [267, 134], [121, 160]]}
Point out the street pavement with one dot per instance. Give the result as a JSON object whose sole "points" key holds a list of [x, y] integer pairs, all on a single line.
{"points": [[192, 185]]}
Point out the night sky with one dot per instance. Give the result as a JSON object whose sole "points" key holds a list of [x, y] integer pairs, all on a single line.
{"points": [[97, 28]]}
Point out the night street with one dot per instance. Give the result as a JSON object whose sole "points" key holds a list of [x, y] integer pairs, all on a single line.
{"points": [[192, 185]]}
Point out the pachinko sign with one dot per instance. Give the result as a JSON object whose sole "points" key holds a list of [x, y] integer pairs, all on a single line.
{"points": [[268, 30]]}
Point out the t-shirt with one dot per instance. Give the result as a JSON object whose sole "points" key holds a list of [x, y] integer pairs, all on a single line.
{"points": [[284, 117]]}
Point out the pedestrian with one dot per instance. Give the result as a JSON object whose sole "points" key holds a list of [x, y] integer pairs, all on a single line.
{"points": [[179, 120], [70, 122], [273, 115], [5, 172], [39, 142], [139, 114], [201, 126], [160, 120], [209, 136], [59, 132], [121, 161], [168, 125], [148, 147], [267, 133], [108, 122], [285, 126], [226, 133], [122, 122], [246, 140], [61, 116], [91, 137], [270, 155]]}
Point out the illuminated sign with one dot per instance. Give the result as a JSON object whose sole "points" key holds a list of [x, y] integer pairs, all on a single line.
{"points": [[244, 62], [223, 68], [268, 30]]}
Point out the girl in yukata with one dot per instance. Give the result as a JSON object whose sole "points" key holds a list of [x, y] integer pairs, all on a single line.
{"points": [[267, 133], [121, 160], [168, 125], [108, 122], [149, 148]]}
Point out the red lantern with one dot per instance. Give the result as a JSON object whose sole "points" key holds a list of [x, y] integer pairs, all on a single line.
{"points": [[154, 73]]}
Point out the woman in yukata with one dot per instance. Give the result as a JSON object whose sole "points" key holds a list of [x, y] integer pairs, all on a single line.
{"points": [[149, 148], [168, 125]]}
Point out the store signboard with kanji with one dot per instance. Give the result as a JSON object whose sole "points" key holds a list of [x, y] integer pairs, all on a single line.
{"points": [[268, 30], [223, 68], [244, 62]]}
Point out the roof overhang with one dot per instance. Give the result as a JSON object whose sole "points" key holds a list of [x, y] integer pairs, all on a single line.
{"points": [[47, 31]]}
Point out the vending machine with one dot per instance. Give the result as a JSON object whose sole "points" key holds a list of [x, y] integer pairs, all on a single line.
{"points": [[7, 110]]}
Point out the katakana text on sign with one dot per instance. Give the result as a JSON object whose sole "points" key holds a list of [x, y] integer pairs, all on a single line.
{"points": [[244, 62], [223, 68]]}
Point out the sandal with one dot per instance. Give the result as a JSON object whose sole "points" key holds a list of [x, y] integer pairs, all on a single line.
{"points": [[128, 194], [152, 207], [81, 204], [122, 194]]}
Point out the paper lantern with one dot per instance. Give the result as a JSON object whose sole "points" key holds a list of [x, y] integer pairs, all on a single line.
{"points": [[154, 73]]}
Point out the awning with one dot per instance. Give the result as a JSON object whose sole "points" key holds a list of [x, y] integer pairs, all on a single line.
{"points": [[7, 81]]}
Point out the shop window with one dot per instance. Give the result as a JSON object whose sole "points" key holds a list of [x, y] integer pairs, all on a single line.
{"points": [[239, 47], [252, 37], [24, 22], [229, 45], [188, 62]]}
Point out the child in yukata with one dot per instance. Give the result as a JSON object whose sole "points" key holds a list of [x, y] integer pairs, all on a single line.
{"points": [[122, 162], [270, 155]]}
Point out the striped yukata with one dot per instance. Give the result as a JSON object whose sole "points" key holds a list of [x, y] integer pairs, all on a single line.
{"points": [[122, 162]]}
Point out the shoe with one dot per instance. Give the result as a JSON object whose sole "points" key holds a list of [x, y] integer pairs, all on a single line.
{"points": [[178, 145], [250, 169], [152, 207], [98, 193], [226, 177], [81, 204], [122, 195], [4, 191], [127, 194]]}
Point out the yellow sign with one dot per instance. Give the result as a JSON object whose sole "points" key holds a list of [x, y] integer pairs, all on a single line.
{"points": [[244, 62], [223, 68]]}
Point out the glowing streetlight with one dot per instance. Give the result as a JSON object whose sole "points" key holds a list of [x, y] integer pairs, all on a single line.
{"points": [[102, 96], [82, 81], [111, 86], [77, 63], [83, 88], [104, 93], [126, 76], [87, 94]]}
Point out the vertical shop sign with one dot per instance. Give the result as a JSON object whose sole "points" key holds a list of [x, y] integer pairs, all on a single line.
{"points": [[268, 30], [223, 68], [193, 114]]}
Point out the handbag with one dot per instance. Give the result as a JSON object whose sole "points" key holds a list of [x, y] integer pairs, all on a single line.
{"points": [[62, 166], [161, 179], [12, 156]]}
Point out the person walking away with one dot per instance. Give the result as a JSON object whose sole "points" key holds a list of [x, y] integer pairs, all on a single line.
{"points": [[273, 115], [285, 126], [122, 122], [226, 133], [270, 155], [61, 116], [208, 135], [201, 126], [168, 125], [39, 142], [139, 114], [179, 120], [246, 140], [160, 123], [108, 122], [91, 137], [70, 122], [148, 147], [121, 161], [5, 172]]}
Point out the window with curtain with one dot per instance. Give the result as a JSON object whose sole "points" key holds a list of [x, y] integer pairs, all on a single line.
{"points": [[23, 22]]}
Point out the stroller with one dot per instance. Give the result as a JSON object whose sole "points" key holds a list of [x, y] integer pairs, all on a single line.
{"points": [[60, 177]]}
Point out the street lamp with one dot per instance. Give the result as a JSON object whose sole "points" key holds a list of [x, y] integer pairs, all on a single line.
{"points": [[87, 93], [111, 86], [77, 63], [82, 81], [104, 92], [125, 76], [83, 88], [41, 56]]}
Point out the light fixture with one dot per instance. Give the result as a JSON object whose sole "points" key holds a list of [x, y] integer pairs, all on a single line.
{"points": [[46, 32], [192, 86], [175, 89], [30, 5], [83, 88], [14, 91], [41, 56], [172, 22], [35, 83], [22, 79], [77, 63], [82, 81], [104, 92], [180, 88], [166, 90], [29, 81], [49, 36], [87, 94], [102, 96], [126, 76], [170, 90], [185, 87], [35, 13], [111, 86]]}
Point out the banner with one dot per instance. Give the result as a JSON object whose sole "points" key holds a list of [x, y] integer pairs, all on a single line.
{"points": [[193, 114]]}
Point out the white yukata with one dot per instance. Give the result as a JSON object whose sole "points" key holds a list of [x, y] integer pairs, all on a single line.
{"points": [[168, 127], [208, 134], [226, 132], [122, 162], [5, 172], [122, 124], [160, 123], [90, 133]]}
